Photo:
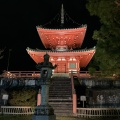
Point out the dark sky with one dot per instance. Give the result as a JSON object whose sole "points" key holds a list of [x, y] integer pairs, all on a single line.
{"points": [[18, 21]]}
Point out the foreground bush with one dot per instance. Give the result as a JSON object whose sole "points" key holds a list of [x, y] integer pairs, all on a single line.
{"points": [[22, 97]]}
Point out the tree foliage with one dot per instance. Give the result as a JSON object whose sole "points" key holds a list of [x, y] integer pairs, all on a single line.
{"points": [[1, 56], [107, 55], [23, 97]]}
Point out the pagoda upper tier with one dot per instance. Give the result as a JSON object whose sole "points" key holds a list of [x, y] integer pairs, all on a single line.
{"points": [[54, 38]]}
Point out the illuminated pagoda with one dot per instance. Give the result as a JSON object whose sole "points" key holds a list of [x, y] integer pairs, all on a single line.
{"points": [[64, 45]]}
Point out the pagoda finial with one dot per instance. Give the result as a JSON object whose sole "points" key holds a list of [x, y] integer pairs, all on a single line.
{"points": [[62, 15]]}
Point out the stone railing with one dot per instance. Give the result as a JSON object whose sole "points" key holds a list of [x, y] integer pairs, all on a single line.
{"points": [[16, 110], [98, 112]]}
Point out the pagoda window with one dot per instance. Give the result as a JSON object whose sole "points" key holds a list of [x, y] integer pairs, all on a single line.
{"points": [[51, 59], [72, 65], [63, 59], [61, 48]]}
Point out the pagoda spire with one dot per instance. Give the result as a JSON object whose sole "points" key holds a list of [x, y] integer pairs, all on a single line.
{"points": [[62, 15]]}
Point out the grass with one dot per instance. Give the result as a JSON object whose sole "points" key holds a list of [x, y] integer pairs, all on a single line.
{"points": [[29, 117]]}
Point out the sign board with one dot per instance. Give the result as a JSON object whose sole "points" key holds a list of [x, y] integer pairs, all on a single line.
{"points": [[83, 98], [5, 97]]}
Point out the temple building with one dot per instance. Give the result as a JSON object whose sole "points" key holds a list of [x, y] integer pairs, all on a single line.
{"points": [[63, 45]]}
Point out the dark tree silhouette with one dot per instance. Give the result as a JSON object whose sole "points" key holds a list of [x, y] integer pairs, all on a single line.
{"points": [[107, 55], [1, 51]]}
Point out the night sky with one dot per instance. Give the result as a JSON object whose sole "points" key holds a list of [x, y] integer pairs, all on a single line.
{"points": [[18, 21]]}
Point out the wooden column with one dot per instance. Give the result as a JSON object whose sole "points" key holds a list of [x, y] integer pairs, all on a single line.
{"points": [[74, 103], [67, 66], [39, 98], [55, 59]]}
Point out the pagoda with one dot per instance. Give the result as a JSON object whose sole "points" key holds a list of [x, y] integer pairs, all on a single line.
{"points": [[64, 47]]}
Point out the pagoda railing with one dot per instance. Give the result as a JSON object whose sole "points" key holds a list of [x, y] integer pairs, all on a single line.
{"points": [[21, 74], [33, 74]]}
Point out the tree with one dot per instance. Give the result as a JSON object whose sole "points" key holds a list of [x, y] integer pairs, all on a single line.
{"points": [[1, 54], [107, 55]]}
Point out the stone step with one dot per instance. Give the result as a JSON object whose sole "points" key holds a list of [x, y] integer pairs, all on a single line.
{"points": [[57, 93], [61, 111], [59, 96], [61, 82], [63, 107], [60, 91], [60, 99], [61, 102], [66, 80], [67, 85], [60, 85], [60, 88]]}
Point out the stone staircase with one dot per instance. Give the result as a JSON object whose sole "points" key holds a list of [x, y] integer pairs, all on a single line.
{"points": [[60, 95]]}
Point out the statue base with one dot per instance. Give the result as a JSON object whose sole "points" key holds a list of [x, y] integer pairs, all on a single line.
{"points": [[44, 117]]}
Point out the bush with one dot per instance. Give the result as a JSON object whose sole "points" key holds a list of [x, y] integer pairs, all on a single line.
{"points": [[23, 97], [91, 70]]}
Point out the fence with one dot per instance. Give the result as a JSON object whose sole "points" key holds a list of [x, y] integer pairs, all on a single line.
{"points": [[81, 112], [98, 112], [16, 110]]}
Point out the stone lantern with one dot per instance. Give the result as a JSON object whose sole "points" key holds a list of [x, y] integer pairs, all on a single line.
{"points": [[44, 111]]}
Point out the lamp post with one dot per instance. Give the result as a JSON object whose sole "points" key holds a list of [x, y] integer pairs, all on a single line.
{"points": [[8, 59]]}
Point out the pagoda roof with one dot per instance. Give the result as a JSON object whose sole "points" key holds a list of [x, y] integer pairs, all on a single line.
{"points": [[84, 55], [71, 37]]}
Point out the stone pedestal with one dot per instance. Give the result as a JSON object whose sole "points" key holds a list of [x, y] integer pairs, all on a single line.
{"points": [[44, 112], [44, 117]]}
